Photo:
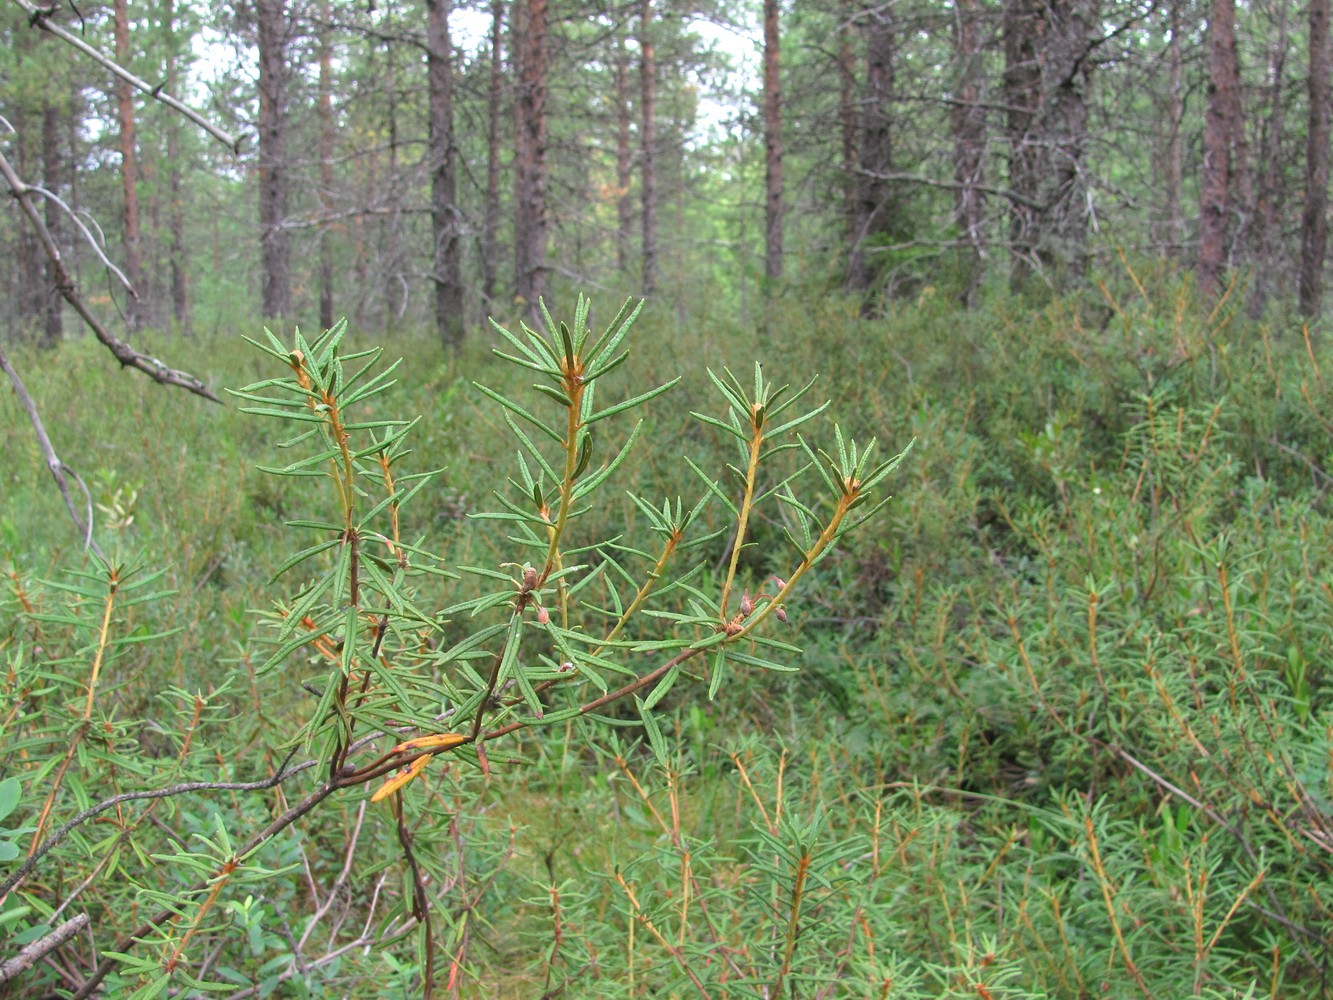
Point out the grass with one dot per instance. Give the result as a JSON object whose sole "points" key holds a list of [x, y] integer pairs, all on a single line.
{"points": [[1061, 727]]}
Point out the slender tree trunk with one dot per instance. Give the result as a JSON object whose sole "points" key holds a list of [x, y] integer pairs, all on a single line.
{"points": [[273, 165], [180, 289], [969, 144], [648, 144], [848, 117], [772, 144], [491, 227], [1268, 203], [443, 187], [391, 223], [1062, 189], [1216, 188], [53, 327], [1314, 217], [624, 165], [325, 171], [1024, 27], [1173, 170], [129, 172], [530, 212], [876, 199]]}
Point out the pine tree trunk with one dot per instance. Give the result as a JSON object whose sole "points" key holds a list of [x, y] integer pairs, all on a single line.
{"points": [[648, 144], [1314, 217], [1216, 186], [274, 243], [772, 144], [1173, 172], [180, 289], [325, 172], [129, 173], [624, 166], [531, 223], [53, 325], [1269, 201], [491, 225], [444, 211], [1024, 23], [969, 144], [849, 119], [876, 208]]}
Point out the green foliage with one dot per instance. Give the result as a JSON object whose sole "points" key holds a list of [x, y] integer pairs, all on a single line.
{"points": [[1060, 727], [554, 639]]}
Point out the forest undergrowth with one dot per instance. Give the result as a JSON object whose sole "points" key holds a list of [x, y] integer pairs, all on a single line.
{"points": [[1053, 722]]}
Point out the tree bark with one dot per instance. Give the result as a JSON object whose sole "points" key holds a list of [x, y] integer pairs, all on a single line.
{"points": [[129, 172], [1217, 194], [624, 165], [275, 256], [969, 144], [1024, 28], [648, 144], [53, 321], [325, 171], [1173, 172], [1314, 216], [1047, 73], [772, 144], [531, 222], [443, 188], [876, 201], [180, 289], [1270, 194], [491, 226], [849, 119]]}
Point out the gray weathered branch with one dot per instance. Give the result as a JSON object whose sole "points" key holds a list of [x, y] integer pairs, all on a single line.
{"points": [[125, 354], [40, 17]]}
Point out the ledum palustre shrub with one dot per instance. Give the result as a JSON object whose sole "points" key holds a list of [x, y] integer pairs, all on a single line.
{"points": [[162, 855]]}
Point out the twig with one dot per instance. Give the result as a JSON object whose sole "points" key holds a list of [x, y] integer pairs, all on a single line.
{"points": [[30, 954], [125, 354], [31, 862], [57, 468]]}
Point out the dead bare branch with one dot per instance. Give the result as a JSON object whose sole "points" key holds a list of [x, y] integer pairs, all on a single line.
{"points": [[31, 954], [40, 17], [125, 354], [59, 470]]}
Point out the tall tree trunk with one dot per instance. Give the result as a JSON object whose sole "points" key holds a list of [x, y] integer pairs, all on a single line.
{"points": [[1268, 203], [53, 326], [180, 289], [876, 202], [129, 172], [1062, 189], [325, 171], [491, 226], [448, 274], [1314, 217], [274, 243], [530, 213], [969, 144], [1047, 71], [1024, 28], [772, 144], [390, 229], [849, 119], [1216, 185], [648, 144], [1173, 170], [624, 165]]}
